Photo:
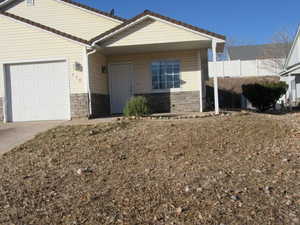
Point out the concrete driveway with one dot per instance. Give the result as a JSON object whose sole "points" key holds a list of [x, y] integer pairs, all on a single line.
{"points": [[14, 134]]}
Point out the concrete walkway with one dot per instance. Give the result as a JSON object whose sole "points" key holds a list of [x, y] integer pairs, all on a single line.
{"points": [[14, 134]]}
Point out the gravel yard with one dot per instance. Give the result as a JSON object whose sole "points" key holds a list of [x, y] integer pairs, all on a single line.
{"points": [[231, 170]]}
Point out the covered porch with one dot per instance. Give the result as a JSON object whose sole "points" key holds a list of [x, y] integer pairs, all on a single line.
{"points": [[156, 58]]}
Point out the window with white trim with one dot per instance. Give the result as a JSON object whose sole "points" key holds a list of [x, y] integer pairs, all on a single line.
{"points": [[165, 74], [29, 2]]}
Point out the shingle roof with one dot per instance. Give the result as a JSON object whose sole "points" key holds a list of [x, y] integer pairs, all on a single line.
{"points": [[252, 52], [49, 29], [150, 13]]}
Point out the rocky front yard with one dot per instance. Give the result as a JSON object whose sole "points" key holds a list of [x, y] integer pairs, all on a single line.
{"points": [[230, 170]]}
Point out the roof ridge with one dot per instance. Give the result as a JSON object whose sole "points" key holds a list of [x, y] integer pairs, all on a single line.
{"points": [[151, 13], [94, 9], [50, 29]]}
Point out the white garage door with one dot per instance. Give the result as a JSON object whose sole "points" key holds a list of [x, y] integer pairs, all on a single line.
{"points": [[37, 91]]}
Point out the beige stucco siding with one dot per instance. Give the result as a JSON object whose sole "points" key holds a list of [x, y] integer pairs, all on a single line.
{"points": [[152, 32], [64, 17], [98, 80], [20, 42], [142, 74]]}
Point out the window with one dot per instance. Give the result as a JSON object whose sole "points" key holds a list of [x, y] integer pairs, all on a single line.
{"points": [[165, 74], [30, 2]]}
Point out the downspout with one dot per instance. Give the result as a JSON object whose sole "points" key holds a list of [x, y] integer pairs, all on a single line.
{"points": [[88, 84]]}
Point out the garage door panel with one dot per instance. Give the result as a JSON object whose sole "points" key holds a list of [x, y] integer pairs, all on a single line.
{"points": [[38, 91]]}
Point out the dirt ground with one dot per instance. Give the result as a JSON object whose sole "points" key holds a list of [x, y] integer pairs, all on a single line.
{"points": [[229, 170]]}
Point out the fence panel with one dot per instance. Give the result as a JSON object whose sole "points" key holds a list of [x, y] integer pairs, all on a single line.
{"points": [[247, 68]]}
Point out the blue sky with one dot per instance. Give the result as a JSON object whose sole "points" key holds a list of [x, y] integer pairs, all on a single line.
{"points": [[246, 22]]}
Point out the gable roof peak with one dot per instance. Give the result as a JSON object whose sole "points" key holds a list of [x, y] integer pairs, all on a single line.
{"points": [[159, 16]]}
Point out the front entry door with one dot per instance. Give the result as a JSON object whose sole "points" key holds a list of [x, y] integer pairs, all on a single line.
{"points": [[120, 86]]}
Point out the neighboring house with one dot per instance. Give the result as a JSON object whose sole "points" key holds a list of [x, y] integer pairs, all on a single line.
{"points": [[251, 61], [246, 64], [60, 59], [291, 71], [253, 52]]}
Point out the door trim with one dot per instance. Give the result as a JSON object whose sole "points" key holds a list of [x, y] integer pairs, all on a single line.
{"points": [[110, 80], [6, 64]]}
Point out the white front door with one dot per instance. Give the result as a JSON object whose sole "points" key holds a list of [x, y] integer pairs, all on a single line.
{"points": [[37, 91], [120, 86]]}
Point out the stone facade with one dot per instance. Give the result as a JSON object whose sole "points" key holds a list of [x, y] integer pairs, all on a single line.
{"points": [[100, 105], [79, 105], [177, 102], [1, 110]]}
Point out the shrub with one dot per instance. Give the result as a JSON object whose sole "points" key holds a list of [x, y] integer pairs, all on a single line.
{"points": [[137, 106], [264, 96]]}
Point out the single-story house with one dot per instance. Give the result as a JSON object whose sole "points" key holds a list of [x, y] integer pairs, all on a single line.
{"points": [[291, 72], [60, 60]]}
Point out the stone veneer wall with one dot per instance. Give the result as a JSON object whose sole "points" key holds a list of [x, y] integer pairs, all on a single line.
{"points": [[79, 105], [1, 109], [100, 105], [188, 101]]}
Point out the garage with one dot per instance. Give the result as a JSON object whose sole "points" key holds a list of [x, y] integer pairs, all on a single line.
{"points": [[37, 91]]}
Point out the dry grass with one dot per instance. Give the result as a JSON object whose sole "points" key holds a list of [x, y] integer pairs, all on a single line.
{"points": [[242, 169]]}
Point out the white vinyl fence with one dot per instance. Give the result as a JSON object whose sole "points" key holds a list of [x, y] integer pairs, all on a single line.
{"points": [[247, 68]]}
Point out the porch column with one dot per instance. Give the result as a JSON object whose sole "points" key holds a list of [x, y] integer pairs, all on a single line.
{"points": [[290, 92], [216, 91], [200, 81]]}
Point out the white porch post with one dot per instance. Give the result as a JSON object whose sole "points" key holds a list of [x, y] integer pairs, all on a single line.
{"points": [[200, 81], [290, 92], [216, 92]]}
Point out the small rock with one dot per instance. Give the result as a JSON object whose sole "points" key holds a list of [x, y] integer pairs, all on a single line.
{"points": [[187, 189], [79, 171], [288, 202], [92, 132], [84, 170], [199, 189], [200, 216], [285, 160], [268, 190], [178, 211], [234, 197]]}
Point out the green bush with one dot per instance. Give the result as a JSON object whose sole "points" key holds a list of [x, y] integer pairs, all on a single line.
{"points": [[264, 96], [137, 106]]}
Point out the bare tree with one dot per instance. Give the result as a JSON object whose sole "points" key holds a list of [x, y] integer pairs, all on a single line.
{"points": [[277, 51]]}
